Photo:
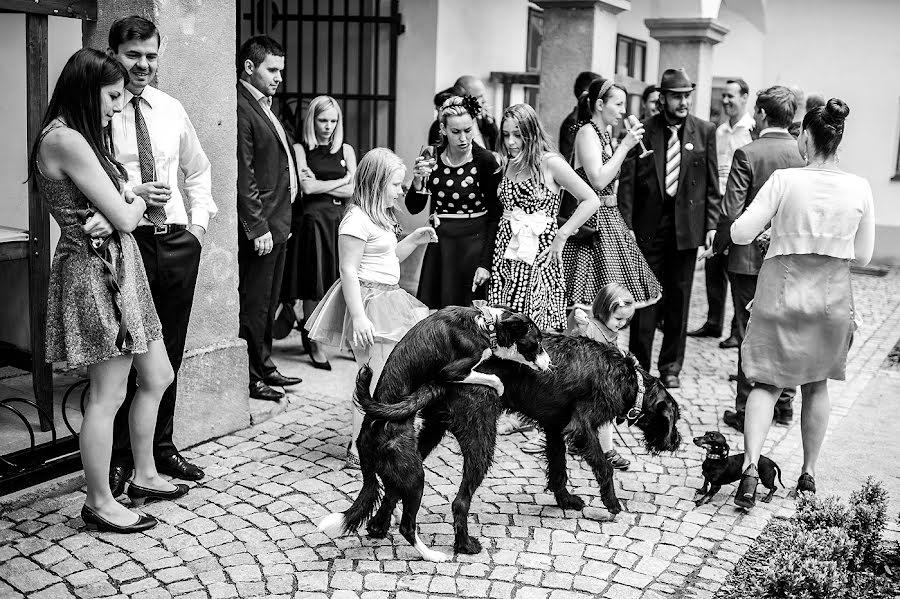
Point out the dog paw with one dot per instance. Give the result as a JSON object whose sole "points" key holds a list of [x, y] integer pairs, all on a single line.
{"points": [[469, 545], [376, 532], [567, 501], [613, 507]]}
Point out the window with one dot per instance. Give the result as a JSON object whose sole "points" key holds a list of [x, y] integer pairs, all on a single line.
{"points": [[896, 176], [631, 57], [535, 36]]}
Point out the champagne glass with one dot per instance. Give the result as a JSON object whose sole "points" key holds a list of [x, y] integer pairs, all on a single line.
{"points": [[630, 122], [427, 152]]}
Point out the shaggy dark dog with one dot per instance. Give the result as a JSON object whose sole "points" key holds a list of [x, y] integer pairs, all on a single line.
{"points": [[439, 351], [589, 384]]}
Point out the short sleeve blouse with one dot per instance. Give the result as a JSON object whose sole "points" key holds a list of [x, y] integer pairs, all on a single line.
{"points": [[379, 262]]}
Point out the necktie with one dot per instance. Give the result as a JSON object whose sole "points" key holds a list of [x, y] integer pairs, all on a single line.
{"points": [[155, 214], [673, 162]]}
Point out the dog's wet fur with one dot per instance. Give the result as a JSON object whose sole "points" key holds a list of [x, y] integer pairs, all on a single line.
{"points": [[588, 384], [721, 469], [437, 353]]}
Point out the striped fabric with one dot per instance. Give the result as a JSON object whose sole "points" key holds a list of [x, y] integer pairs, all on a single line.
{"points": [[155, 214], [673, 162]]}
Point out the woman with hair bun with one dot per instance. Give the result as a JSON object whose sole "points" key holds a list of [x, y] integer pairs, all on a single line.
{"points": [[803, 317], [463, 190], [605, 253]]}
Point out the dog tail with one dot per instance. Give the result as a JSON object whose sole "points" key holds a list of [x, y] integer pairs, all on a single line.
{"points": [[404, 409], [778, 470]]}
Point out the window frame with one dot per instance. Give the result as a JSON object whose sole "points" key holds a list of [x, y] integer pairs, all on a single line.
{"points": [[632, 43]]}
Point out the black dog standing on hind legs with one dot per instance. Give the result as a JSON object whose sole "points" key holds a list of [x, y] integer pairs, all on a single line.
{"points": [[441, 349], [590, 384]]}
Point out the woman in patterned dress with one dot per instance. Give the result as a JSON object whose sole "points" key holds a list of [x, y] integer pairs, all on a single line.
{"points": [[527, 267], [100, 313], [610, 254]]}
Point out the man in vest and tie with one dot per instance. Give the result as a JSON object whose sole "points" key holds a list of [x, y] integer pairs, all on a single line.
{"points": [[267, 185], [154, 140], [670, 199]]}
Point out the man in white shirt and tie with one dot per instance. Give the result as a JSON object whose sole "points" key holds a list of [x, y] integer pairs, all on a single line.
{"points": [[267, 185], [154, 140]]}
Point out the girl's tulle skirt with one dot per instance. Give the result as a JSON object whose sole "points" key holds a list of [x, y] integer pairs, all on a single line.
{"points": [[391, 309]]}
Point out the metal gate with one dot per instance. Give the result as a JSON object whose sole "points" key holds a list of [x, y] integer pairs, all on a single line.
{"points": [[346, 49]]}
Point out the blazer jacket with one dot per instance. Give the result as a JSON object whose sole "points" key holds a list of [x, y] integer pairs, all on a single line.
{"points": [[752, 166], [264, 178], [642, 183]]}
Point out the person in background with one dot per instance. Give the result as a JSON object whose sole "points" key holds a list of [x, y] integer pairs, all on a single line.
{"points": [[267, 185], [735, 132], [649, 102], [814, 101], [100, 311], [803, 316], [366, 310], [486, 133], [567, 130], [671, 200], [464, 206], [326, 165], [434, 132], [753, 165], [169, 240]]}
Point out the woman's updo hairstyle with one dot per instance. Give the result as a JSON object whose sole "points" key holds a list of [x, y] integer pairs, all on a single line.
{"points": [[826, 125], [459, 106], [599, 89]]}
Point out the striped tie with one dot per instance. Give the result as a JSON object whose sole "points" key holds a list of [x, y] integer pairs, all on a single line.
{"points": [[673, 162], [155, 214]]}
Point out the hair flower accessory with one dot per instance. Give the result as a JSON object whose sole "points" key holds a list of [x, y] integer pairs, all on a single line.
{"points": [[472, 106]]}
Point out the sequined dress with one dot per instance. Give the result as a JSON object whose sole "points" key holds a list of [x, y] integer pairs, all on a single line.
{"points": [[82, 324]]}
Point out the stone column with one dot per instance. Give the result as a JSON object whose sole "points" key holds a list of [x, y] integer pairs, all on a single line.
{"points": [[197, 67], [579, 35], [688, 43]]}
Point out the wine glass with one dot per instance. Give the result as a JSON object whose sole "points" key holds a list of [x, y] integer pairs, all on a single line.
{"points": [[427, 152], [630, 122]]}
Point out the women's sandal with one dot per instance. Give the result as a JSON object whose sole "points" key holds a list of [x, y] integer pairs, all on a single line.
{"points": [[93, 521], [352, 462], [140, 495], [746, 491], [806, 483]]}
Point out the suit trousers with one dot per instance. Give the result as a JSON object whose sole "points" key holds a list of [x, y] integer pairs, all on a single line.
{"points": [[172, 262], [259, 290], [716, 276], [675, 270], [743, 288]]}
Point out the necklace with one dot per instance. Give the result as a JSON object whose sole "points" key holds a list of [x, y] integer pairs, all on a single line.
{"points": [[467, 157]]}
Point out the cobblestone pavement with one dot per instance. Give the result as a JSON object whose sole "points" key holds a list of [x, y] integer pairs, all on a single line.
{"points": [[248, 530]]}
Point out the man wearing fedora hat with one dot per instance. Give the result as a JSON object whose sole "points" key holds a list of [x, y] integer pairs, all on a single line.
{"points": [[670, 199]]}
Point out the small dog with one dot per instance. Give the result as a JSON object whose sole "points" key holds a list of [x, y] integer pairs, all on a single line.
{"points": [[441, 350], [720, 469]]}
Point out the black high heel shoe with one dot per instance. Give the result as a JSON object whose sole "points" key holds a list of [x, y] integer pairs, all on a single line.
{"points": [[140, 495], [307, 345], [806, 483], [93, 521], [746, 491]]}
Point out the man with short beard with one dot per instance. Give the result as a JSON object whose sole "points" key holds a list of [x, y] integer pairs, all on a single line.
{"points": [[154, 139], [671, 201]]}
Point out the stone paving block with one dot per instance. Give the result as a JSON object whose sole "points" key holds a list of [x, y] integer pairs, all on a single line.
{"points": [[619, 591], [57, 591], [101, 588]]}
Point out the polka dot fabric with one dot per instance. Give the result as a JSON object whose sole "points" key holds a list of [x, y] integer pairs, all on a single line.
{"points": [[455, 189], [539, 290]]}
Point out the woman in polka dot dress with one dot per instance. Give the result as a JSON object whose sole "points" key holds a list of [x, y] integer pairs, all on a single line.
{"points": [[527, 267], [464, 209], [610, 254]]}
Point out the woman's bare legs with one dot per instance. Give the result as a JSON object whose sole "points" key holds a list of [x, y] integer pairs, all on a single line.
{"points": [[813, 422], [317, 354], [154, 375], [605, 436], [375, 356], [758, 420]]}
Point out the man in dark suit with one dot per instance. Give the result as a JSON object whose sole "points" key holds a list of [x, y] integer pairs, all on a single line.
{"points": [[671, 201], [752, 166], [267, 185]]}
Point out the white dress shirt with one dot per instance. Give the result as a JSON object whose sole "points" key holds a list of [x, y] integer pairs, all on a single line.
{"points": [[175, 146], [266, 103], [729, 139]]}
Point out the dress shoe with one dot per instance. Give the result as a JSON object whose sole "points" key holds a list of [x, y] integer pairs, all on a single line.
{"points": [[178, 467], [734, 419], [707, 330], [93, 521], [729, 343], [784, 417], [276, 379], [806, 483], [140, 495], [260, 390], [670, 381], [118, 476]]}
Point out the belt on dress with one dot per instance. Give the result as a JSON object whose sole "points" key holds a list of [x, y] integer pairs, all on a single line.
{"points": [[450, 215], [160, 229], [113, 278], [611, 201], [379, 286]]}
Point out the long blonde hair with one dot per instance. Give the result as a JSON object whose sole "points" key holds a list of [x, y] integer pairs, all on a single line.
{"points": [[319, 105], [536, 144], [373, 175]]}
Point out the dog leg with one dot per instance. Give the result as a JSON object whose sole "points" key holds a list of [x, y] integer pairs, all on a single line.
{"points": [[379, 524], [588, 445], [769, 495], [557, 478], [473, 377], [431, 433], [713, 489]]}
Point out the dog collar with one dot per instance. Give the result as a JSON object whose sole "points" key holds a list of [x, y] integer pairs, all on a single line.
{"points": [[488, 322], [716, 456], [635, 412]]}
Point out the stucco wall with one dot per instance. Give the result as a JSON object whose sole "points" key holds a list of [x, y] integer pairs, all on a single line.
{"points": [[197, 67]]}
